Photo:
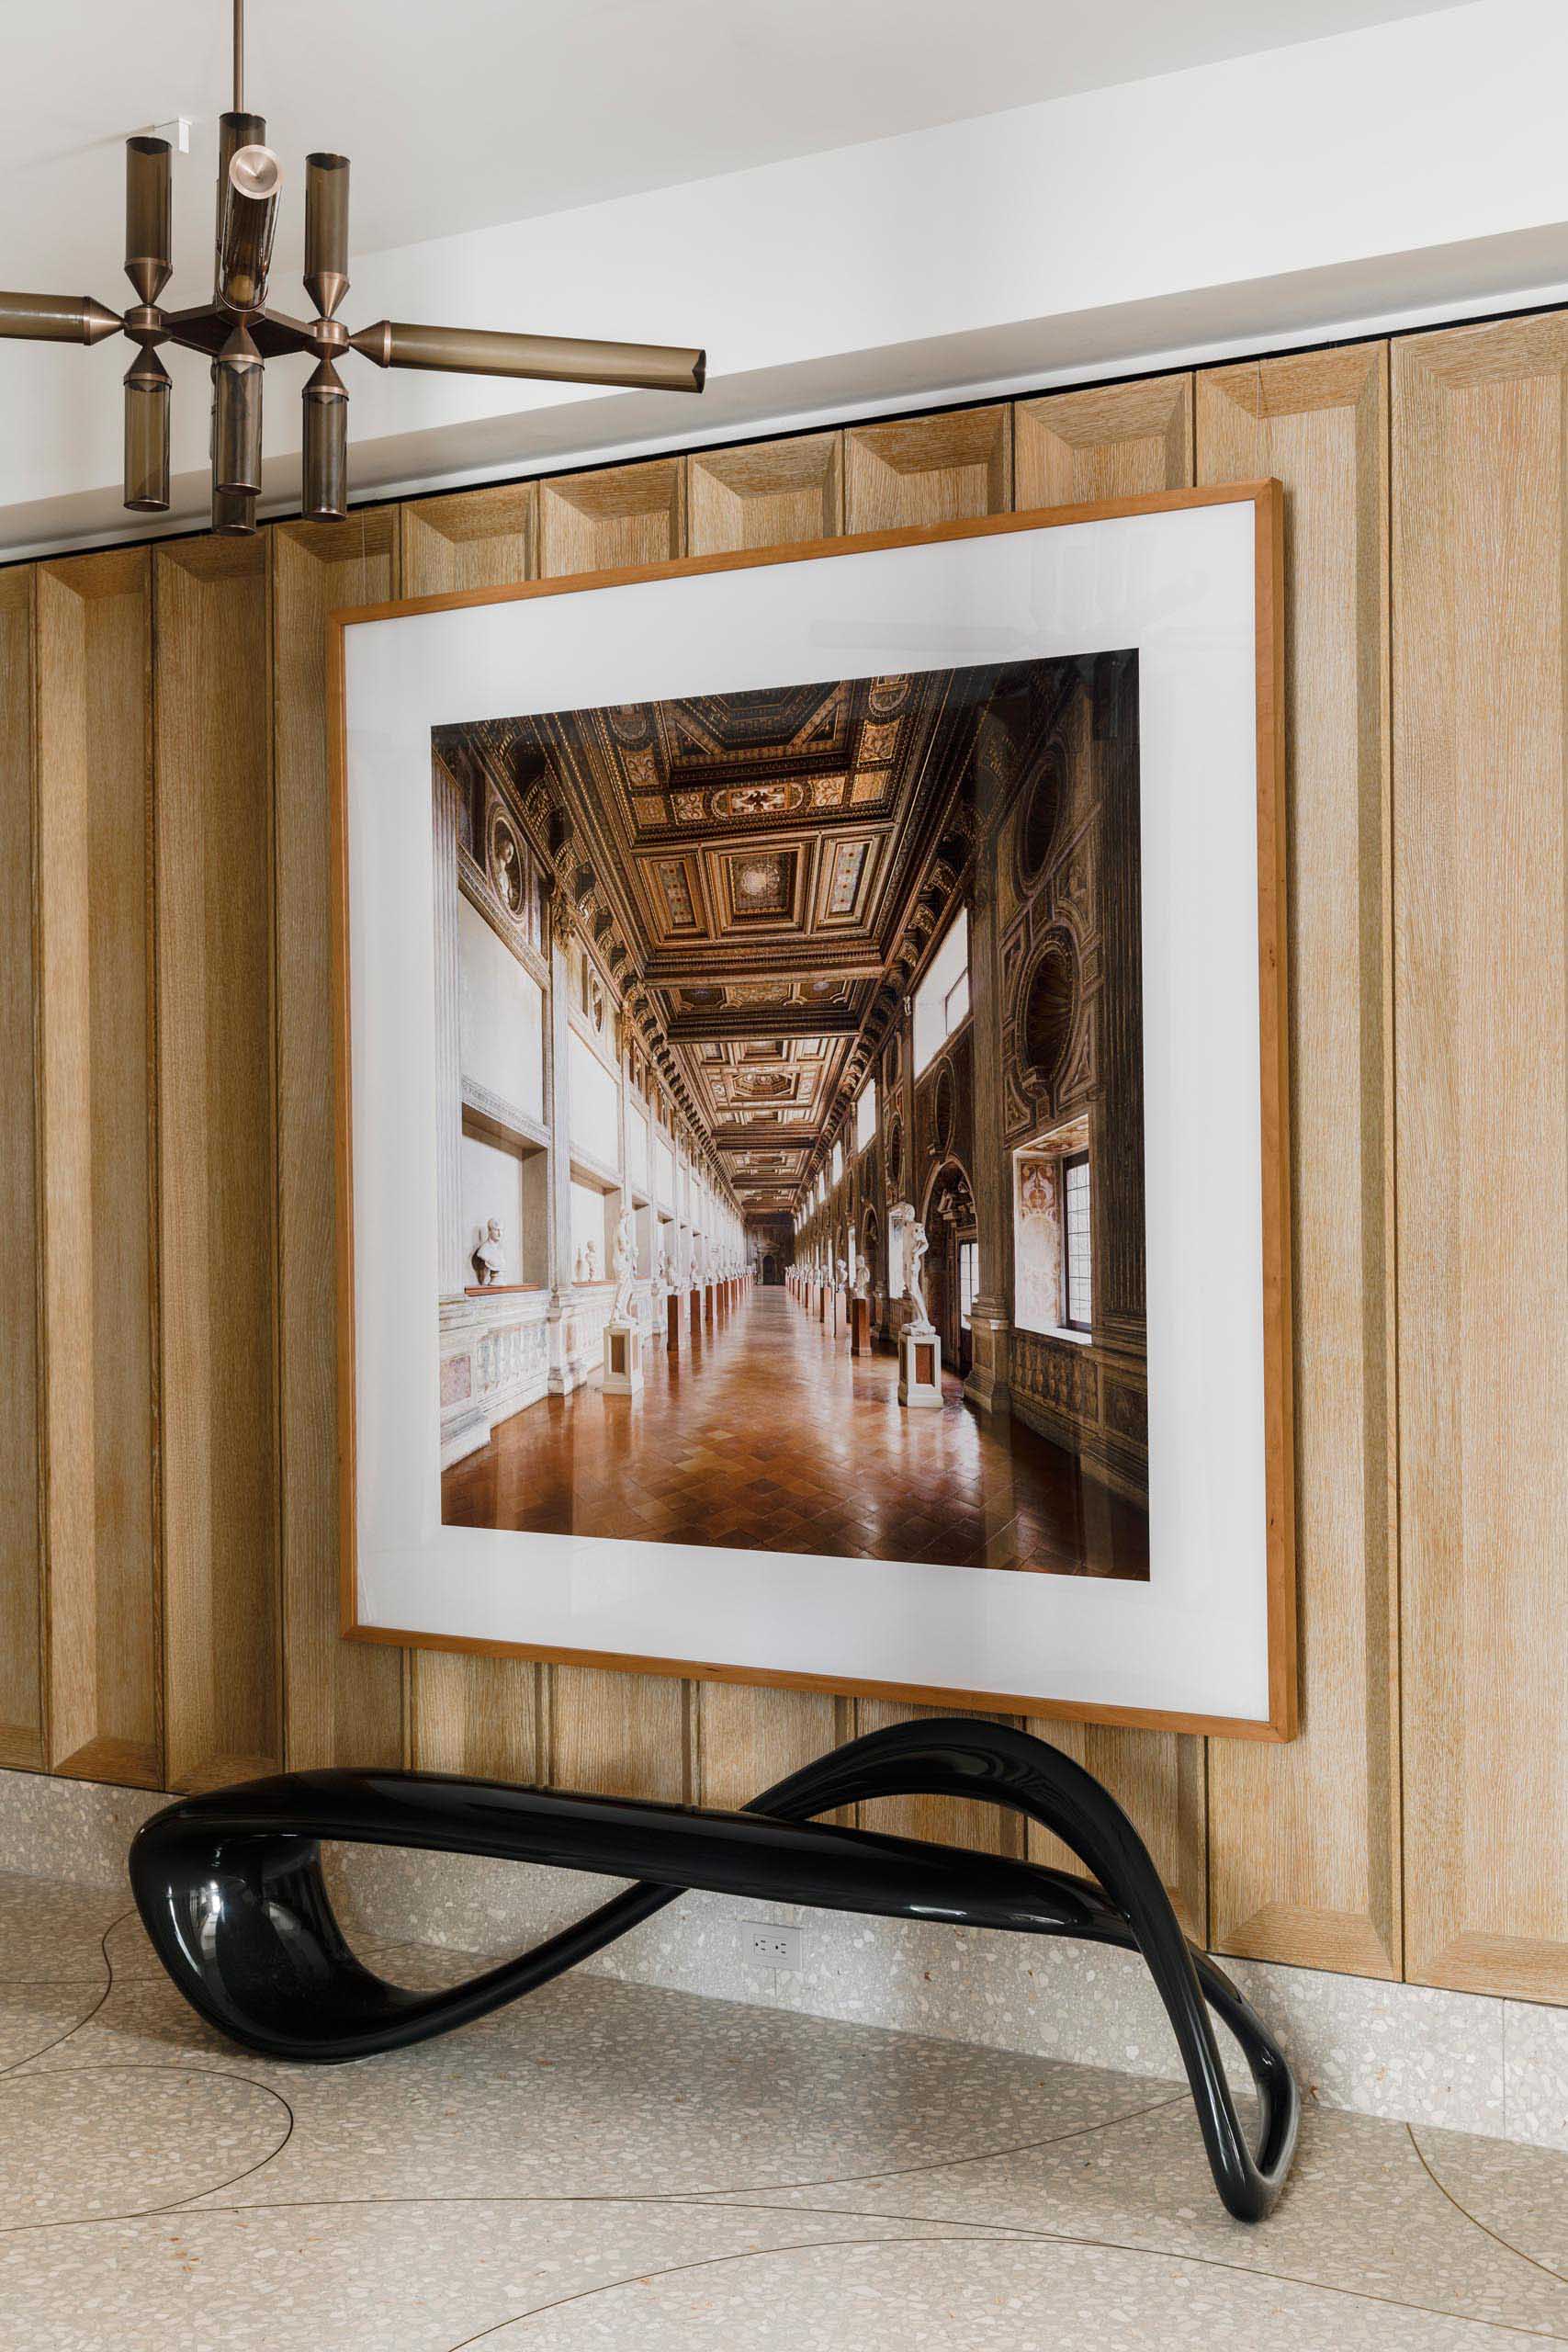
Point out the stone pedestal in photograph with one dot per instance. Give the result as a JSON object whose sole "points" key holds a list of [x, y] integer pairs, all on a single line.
{"points": [[920, 1365], [622, 1360], [673, 1319], [859, 1327]]}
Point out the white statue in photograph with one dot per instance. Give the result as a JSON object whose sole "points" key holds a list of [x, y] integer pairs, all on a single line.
{"points": [[842, 1274], [488, 1259], [590, 1262], [862, 1279], [916, 1246], [626, 1268], [661, 1269]]}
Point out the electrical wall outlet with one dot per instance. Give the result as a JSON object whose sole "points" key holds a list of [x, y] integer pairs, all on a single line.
{"points": [[770, 1947]]}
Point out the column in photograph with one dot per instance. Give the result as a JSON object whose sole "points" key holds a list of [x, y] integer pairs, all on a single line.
{"points": [[566, 1372], [990, 1316]]}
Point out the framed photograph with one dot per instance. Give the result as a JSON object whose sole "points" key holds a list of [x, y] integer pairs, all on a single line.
{"points": [[813, 1193]]}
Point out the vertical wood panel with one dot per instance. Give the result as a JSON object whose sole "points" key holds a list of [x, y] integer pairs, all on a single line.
{"points": [[473, 1715], [940, 468], [96, 1080], [624, 1735], [1481, 980], [767, 494], [1117, 442], [21, 1662], [343, 1701], [600, 522], [1121, 441], [929, 469], [217, 1146], [475, 538], [749, 1735], [1304, 1839], [629, 1734]]}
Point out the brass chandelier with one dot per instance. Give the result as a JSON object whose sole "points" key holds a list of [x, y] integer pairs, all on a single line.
{"points": [[239, 332]]}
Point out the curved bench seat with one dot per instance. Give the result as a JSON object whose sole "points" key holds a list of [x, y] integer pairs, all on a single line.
{"points": [[230, 1889]]}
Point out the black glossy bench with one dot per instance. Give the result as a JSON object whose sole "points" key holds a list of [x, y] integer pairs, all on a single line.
{"points": [[229, 1887]]}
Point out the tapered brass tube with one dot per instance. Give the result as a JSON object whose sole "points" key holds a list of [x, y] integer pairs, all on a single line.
{"points": [[147, 389], [237, 415], [56, 317], [148, 249], [246, 225], [564, 360], [326, 230], [326, 446]]}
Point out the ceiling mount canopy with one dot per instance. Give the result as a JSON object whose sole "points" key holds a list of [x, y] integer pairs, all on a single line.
{"points": [[240, 333]]}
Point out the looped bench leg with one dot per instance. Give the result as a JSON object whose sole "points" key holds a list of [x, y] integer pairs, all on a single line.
{"points": [[229, 1887]]}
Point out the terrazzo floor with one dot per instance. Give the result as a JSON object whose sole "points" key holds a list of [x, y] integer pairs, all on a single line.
{"points": [[610, 2166]]}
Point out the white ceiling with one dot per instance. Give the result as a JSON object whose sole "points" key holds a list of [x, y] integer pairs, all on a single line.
{"points": [[461, 113]]}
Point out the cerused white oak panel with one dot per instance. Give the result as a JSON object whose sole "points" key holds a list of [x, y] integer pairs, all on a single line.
{"points": [[1304, 1839], [1481, 987]]}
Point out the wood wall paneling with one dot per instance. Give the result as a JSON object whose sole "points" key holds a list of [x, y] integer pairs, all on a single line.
{"points": [[98, 1145], [1480, 982], [1122, 441], [1304, 1839], [475, 538], [473, 1715], [603, 521], [767, 494], [1118, 441], [1467, 976], [749, 1736], [21, 1550], [343, 1701], [623, 1735], [630, 1734], [212, 786], [940, 468]]}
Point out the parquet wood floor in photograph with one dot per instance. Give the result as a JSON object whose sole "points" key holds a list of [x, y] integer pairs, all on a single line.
{"points": [[765, 1434]]}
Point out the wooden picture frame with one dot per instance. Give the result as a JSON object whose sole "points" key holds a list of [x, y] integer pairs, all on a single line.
{"points": [[1275, 1717]]}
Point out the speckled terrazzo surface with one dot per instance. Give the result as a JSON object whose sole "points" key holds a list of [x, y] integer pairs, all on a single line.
{"points": [[611, 2164]]}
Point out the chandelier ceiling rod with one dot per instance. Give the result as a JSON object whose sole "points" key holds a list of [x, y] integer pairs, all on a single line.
{"points": [[238, 333]]}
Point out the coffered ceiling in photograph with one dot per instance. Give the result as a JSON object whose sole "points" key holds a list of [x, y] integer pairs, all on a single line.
{"points": [[763, 853]]}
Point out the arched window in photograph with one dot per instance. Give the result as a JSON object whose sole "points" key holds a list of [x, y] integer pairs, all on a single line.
{"points": [[865, 1115], [942, 1001]]}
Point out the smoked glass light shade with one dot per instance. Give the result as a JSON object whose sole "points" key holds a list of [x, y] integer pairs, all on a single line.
{"points": [[237, 415], [249, 218], [149, 257], [326, 230], [326, 446], [147, 389]]}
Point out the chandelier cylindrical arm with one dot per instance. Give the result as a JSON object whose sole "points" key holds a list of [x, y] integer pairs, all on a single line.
{"points": [[237, 415], [148, 252], [56, 317], [565, 359], [326, 230], [326, 446], [147, 389], [234, 514], [246, 226]]}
